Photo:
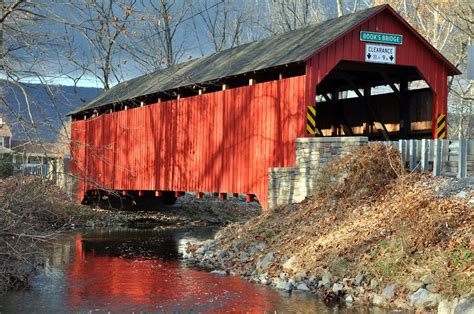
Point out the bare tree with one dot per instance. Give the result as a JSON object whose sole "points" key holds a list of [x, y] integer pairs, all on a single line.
{"points": [[285, 15], [224, 23], [340, 8], [94, 37], [448, 26], [161, 37]]}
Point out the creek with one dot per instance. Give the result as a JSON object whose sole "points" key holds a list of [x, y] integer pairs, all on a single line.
{"points": [[142, 270]]}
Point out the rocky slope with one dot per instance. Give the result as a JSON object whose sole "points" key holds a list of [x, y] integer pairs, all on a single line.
{"points": [[373, 234]]}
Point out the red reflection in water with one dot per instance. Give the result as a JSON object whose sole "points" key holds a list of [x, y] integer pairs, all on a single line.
{"points": [[102, 282]]}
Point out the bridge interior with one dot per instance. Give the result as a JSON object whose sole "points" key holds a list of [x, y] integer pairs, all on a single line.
{"points": [[383, 102]]}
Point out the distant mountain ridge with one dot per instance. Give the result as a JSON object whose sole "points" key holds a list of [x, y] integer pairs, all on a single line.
{"points": [[48, 107]]}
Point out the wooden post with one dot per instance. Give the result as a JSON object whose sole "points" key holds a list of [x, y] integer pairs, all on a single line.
{"points": [[225, 87], [158, 193], [334, 115], [158, 100], [252, 81], [126, 107], [462, 158], [142, 103], [200, 92], [404, 111], [280, 76]]}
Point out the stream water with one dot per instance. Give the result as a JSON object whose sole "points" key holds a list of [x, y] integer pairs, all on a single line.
{"points": [[129, 270]]}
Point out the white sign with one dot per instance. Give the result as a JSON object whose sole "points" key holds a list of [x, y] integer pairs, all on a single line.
{"points": [[380, 53]]}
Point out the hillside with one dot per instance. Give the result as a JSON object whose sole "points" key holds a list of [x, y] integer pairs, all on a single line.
{"points": [[48, 106], [372, 234]]}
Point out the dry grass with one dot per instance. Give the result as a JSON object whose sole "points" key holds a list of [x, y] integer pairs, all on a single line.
{"points": [[371, 217], [32, 212]]}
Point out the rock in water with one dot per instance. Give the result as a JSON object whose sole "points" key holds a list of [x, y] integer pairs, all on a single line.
{"points": [[302, 286]]}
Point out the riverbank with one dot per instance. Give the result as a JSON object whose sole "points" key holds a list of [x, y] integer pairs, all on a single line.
{"points": [[187, 211], [373, 234], [35, 212]]}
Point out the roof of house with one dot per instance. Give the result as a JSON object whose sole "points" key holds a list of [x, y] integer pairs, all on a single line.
{"points": [[287, 48], [37, 148], [5, 130]]}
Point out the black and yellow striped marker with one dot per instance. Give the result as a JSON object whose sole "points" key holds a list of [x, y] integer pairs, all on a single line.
{"points": [[441, 126], [311, 120]]}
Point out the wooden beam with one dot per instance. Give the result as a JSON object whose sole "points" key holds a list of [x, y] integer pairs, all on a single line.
{"points": [[404, 111], [390, 83]]}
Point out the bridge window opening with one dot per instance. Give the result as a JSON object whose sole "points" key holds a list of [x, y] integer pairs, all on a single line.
{"points": [[383, 102]]}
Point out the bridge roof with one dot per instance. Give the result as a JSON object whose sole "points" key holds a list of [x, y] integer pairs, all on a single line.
{"points": [[294, 46]]}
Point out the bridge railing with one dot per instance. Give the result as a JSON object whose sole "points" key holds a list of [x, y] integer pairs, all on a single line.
{"points": [[454, 158]]}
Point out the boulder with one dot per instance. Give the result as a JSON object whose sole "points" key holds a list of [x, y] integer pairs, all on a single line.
{"points": [[326, 281], [389, 291], [349, 299], [374, 283], [219, 272], [359, 279], [379, 300], [289, 264], [290, 285], [255, 247], [262, 264], [279, 283], [302, 286], [414, 285], [465, 305], [427, 279], [446, 306], [337, 288], [422, 298]]}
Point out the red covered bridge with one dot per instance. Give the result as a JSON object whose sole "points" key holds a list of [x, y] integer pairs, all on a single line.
{"points": [[218, 123]]}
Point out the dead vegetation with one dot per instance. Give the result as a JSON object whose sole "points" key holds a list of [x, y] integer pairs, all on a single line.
{"points": [[368, 216], [33, 211]]}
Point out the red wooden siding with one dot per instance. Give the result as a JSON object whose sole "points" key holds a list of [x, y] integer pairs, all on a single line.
{"points": [[413, 52], [218, 142]]}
